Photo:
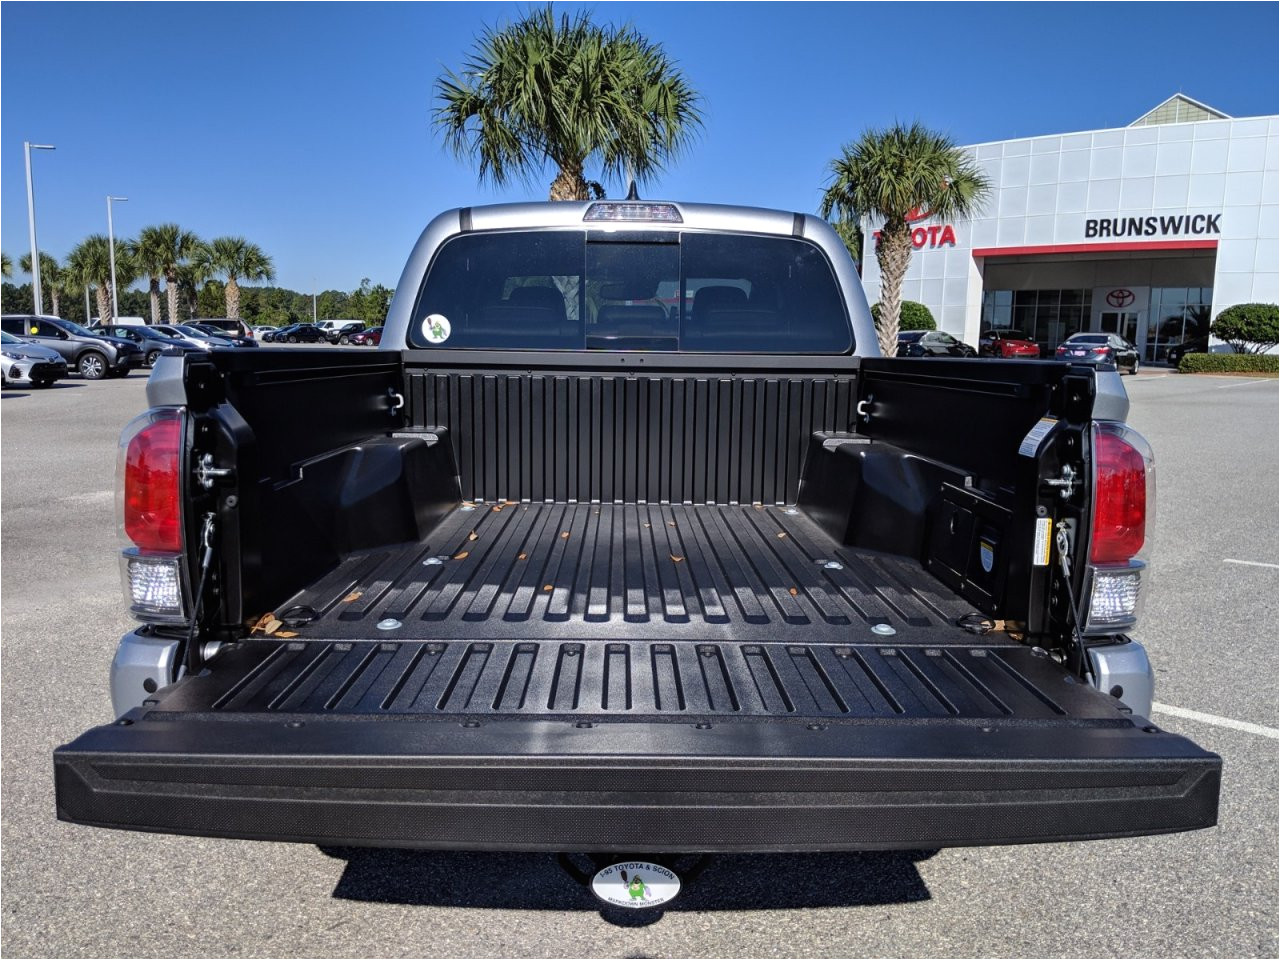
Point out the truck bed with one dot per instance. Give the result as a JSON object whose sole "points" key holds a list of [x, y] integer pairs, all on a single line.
{"points": [[595, 572]]}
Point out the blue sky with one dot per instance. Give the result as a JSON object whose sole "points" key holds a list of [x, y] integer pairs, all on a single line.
{"points": [[306, 128]]}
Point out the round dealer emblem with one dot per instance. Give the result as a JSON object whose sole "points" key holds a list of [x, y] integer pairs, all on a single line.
{"points": [[1121, 297], [635, 885], [436, 328]]}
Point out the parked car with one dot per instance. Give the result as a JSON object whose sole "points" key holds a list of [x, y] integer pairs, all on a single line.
{"points": [[151, 341], [932, 343], [1177, 351], [1007, 343], [235, 339], [344, 333], [262, 331], [331, 326], [226, 326], [23, 362], [300, 333], [192, 335], [1099, 348], [92, 355], [368, 338], [502, 633]]}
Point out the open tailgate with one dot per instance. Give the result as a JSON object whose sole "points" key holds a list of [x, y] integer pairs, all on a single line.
{"points": [[635, 747]]}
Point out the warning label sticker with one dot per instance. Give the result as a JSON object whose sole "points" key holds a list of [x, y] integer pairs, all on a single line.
{"points": [[1031, 443], [1044, 537]]}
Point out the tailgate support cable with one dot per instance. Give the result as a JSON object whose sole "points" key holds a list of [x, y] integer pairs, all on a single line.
{"points": [[1064, 561], [206, 561]]}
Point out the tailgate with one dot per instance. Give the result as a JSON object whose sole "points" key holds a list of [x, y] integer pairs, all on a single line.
{"points": [[635, 747]]}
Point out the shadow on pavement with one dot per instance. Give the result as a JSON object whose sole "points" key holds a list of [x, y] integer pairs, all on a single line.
{"points": [[537, 881], [11, 395]]}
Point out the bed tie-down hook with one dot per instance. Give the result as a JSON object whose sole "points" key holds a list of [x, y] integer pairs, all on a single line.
{"points": [[864, 407], [396, 399]]}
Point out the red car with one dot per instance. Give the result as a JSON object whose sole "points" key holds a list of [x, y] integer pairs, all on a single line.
{"points": [[1007, 343], [367, 338]]}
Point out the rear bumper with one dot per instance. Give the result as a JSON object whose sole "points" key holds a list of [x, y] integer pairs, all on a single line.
{"points": [[562, 785]]}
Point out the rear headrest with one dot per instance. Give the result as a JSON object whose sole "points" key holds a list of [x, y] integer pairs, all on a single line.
{"points": [[717, 299], [643, 317], [545, 298]]}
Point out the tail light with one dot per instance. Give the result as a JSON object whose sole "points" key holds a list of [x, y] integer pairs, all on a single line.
{"points": [[1119, 538], [149, 494], [1101, 349]]}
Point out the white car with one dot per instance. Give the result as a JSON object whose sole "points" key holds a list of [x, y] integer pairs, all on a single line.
{"points": [[197, 338], [29, 363]]}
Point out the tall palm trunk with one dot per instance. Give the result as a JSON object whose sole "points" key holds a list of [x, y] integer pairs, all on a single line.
{"points": [[570, 184], [53, 296], [104, 302], [894, 256], [155, 299], [232, 292], [171, 291]]}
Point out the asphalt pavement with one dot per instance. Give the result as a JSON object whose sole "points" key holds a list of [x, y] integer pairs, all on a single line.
{"points": [[1210, 626]]}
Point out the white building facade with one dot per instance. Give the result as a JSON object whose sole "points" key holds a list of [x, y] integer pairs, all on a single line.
{"points": [[1149, 231]]}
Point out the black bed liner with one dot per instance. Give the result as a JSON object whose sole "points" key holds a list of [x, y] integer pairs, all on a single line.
{"points": [[613, 572], [502, 715]]}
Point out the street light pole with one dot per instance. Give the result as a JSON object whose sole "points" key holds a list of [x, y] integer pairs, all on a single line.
{"points": [[27, 147], [111, 241]]}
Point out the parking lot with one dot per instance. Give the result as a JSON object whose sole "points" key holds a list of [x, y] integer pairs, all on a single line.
{"points": [[1209, 625]]}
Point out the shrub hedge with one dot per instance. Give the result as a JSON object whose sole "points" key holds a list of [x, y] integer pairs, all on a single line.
{"points": [[1230, 363], [912, 316]]}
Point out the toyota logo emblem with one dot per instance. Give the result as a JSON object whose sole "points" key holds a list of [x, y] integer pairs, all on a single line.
{"points": [[1121, 298]]}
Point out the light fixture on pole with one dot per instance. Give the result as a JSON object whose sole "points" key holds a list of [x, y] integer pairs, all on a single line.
{"points": [[31, 225], [111, 241]]}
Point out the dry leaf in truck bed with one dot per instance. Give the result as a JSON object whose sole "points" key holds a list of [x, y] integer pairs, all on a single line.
{"points": [[262, 621], [273, 626], [352, 597], [473, 535], [564, 535], [286, 634], [523, 556], [461, 556], [782, 536], [794, 592], [676, 559], [547, 587], [671, 523]]}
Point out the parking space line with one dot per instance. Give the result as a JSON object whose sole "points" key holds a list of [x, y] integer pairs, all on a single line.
{"points": [[1216, 721], [1253, 563], [1248, 383]]}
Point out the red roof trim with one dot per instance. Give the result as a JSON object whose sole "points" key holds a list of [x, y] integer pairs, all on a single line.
{"points": [[1146, 245]]}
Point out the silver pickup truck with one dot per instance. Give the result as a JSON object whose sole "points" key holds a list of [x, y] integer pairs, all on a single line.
{"points": [[627, 540]]}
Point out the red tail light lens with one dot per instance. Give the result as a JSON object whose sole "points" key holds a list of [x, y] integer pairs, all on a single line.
{"points": [[152, 505], [1120, 499], [1101, 349]]}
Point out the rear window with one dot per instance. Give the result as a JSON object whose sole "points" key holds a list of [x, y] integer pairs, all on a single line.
{"points": [[585, 290], [1099, 338]]}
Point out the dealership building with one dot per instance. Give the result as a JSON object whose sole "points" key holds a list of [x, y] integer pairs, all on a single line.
{"points": [[1149, 231]]}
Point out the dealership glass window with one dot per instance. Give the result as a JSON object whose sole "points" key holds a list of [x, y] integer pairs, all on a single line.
{"points": [[1046, 316], [1176, 315]]}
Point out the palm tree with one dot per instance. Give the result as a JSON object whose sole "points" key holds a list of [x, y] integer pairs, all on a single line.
{"points": [[89, 264], [569, 92], [893, 174], [237, 259], [6, 265], [51, 278], [850, 234], [161, 250]]}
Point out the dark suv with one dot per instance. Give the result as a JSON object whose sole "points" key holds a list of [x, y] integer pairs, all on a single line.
{"points": [[151, 342], [344, 333], [94, 356]]}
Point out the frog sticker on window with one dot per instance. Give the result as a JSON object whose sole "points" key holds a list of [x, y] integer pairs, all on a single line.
{"points": [[436, 329]]}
